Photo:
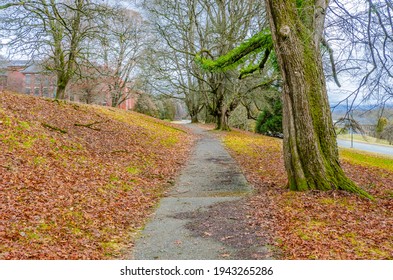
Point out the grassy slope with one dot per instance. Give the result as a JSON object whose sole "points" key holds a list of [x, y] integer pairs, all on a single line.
{"points": [[79, 192], [365, 159], [319, 225]]}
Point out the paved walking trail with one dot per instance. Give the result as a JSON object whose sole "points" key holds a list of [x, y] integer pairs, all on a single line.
{"points": [[202, 217]]}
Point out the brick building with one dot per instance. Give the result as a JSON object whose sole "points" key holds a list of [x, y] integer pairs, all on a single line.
{"points": [[24, 77], [96, 90]]}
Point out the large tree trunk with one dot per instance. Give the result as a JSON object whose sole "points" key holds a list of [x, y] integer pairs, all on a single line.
{"points": [[194, 114], [61, 85], [310, 148], [192, 107], [60, 92], [220, 108], [222, 119], [194, 119]]}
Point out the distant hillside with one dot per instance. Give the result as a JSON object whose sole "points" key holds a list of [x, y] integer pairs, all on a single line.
{"points": [[365, 114], [75, 180], [362, 107]]}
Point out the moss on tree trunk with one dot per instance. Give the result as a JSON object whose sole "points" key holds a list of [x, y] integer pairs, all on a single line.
{"points": [[310, 147], [194, 119], [62, 81], [60, 92]]}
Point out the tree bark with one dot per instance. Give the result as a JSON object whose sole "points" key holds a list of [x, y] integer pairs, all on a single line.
{"points": [[221, 108], [310, 147], [194, 119], [222, 123], [62, 82], [194, 112], [60, 92]]}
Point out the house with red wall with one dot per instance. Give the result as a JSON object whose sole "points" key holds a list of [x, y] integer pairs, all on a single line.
{"points": [[23, 76], [97, 90], [129, 103]]}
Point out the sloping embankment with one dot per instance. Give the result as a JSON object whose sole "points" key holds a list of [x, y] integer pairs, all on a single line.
{"points": [[77, 180]]}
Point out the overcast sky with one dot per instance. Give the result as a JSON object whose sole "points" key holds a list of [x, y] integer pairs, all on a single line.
{"points": [[336, 94]]}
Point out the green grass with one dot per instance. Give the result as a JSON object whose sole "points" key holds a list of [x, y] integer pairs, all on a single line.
{"points": [[37, 161], [367, 159], [133, 170]]}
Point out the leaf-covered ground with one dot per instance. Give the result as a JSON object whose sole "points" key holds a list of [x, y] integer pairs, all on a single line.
{"points": [[76, 181], [318, 225]]}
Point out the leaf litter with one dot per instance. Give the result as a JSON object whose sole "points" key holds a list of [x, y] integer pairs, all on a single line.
{"points": [[315, 224], [77, 181]]}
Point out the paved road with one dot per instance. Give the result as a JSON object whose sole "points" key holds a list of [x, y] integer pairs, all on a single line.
{"points": [[210, 178], [386, 150]]}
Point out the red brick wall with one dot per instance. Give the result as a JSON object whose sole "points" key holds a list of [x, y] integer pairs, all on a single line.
{"points": [[129, 104], [15, 81], [40, 85], [3, 82]]}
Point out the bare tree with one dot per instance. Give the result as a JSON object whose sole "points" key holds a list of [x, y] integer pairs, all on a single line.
{"points": [[361, 35], [52, 31], [231, 22], [172, 70], [214, 26], [387, 133], [121, 49]]}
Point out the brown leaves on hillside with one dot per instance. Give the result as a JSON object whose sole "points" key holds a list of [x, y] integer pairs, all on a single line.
{"points": [[316, 225], [76, 181]]}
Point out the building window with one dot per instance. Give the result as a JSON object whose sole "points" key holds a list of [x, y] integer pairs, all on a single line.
{"points": [[27, 80], [27, 90], [37, 80], [46, 82], [36, 91], [45, 91]]}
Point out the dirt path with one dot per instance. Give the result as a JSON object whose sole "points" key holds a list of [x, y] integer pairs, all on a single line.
{"points": [[205, 215]]}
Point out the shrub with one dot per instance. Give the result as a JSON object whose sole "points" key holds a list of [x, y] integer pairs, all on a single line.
{"points": [[269, 121], [145, 105]]}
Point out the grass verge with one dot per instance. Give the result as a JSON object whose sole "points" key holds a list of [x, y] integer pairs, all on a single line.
{"points": [[315, 224]]}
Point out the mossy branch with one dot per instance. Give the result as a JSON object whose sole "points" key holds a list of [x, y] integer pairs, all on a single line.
{"points": [[252, 68], [8, 5], [232, 59], [54, 128], [332, 62], [245, 72], [90, 125], [8, 167]]}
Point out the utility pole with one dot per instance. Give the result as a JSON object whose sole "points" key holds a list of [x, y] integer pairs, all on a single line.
{"points": [[351, 113], [349, 123]]}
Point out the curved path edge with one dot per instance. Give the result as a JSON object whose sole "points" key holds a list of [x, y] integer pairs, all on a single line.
{"points": [[202, 217]]}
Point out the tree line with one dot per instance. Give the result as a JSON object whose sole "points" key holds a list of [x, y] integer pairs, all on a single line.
{"points": [[79, 41], [226, 58]]}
